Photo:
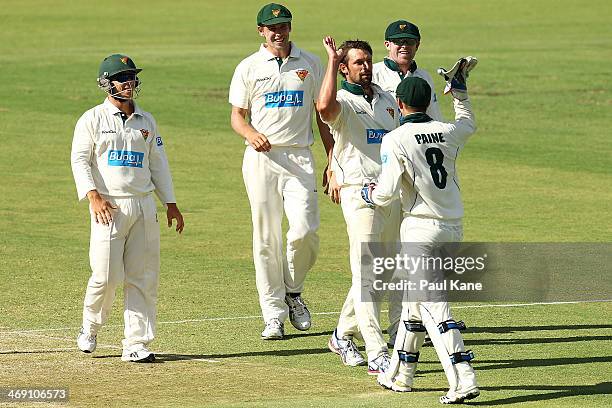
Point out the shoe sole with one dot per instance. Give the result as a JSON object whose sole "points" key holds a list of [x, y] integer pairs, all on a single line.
{"points": [[148, 359], [272, 337], [469, 396]]}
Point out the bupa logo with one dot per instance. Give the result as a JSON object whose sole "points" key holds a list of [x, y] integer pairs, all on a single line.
{"points": [[284, 99], [125, 158], [374, 136]]}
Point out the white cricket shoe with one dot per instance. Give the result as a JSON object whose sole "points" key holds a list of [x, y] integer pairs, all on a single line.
{"points": [[457, 397], [299, 316], [379, 365], [274, 330], [346, 349], [86, 342], [138, 354]]}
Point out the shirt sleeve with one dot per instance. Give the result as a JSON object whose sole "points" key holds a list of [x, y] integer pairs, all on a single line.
{"points": [[239, 90], [389, 181], [465, 123], [160, 170], [81, 156], [318, 78]]}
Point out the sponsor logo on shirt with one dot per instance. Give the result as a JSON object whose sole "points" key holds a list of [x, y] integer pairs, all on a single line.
{"points": [[145, 133], [108, 131], [358, 112], [374, 136], [263, 79], [384, 158], [284, 99], [158, 141], [391, 112], [125, 158]]}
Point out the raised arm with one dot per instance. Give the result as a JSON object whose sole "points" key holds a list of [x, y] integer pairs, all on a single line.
{"points": [[327, 106]]}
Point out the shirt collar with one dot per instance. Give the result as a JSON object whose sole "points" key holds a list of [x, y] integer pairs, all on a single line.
{"points": [[295, 52], [113, 110], [357, 89], [393, 66], [417, 117]]}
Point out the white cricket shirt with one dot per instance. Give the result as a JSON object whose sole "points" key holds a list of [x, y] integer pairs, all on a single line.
{"points": [[120, 159], [387, 75], [358, 131], [279, 94], [418, 162]]}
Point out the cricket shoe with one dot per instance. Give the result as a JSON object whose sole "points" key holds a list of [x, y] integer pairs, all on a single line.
{"points": [[347, 350], [87, 342], [457, 397], [274, 330], [299, 316], [396, 384], [138, 354], [379, 365]]}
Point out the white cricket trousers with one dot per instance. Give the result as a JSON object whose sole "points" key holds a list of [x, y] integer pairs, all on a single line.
{"points": [[125, 251], [360, 314], [281, 180], [425, 236]]}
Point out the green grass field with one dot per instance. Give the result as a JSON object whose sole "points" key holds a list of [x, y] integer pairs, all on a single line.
{"points": [[536, 171]]}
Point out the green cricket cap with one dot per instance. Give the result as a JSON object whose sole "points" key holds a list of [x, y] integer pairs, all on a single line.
{"points": [[273, 13], [116, 63], [402, 29], [414, 91]]}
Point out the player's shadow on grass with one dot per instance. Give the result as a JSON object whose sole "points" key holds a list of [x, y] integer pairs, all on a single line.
{"points": [[533, 340], [560, 391], [518, 329], [306, 334], [270, 353], [481, 365]]}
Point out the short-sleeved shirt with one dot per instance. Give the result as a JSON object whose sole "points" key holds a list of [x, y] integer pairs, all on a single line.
{"points": [[279, 94], [120, 157], [358, 131], [418, 162], [387, 75]]}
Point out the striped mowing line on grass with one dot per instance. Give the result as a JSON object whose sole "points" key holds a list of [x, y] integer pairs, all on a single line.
{"points": [[212, 319]]}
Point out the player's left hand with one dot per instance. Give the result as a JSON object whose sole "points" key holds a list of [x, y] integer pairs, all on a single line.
{"points": [[173, 212], [366, 193], [456, 77]]}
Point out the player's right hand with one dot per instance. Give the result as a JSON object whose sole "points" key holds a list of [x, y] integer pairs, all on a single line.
{"points": [[332, 53], [101, 209], [334, 188], [260, 143]]}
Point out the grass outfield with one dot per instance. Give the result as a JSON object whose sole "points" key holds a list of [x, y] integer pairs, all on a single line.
{"points": [[536, 171]]}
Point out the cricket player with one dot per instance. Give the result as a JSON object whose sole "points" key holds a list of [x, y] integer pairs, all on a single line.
{"points": [[272, 94], [359, 115], [402, 40], [418, 164], [118, 161]]}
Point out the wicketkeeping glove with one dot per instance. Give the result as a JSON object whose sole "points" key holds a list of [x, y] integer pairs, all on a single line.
{"points": [[366, 193], [456, 77]]}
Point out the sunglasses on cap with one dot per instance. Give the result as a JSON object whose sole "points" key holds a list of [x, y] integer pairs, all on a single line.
{"points": [[404, 41], [124, 77]]}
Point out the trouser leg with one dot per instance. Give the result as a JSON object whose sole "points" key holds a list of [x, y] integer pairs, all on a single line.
{"points": [[364, 226], [106, 261], [261, 180], [302, 211], [142, 264]]}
